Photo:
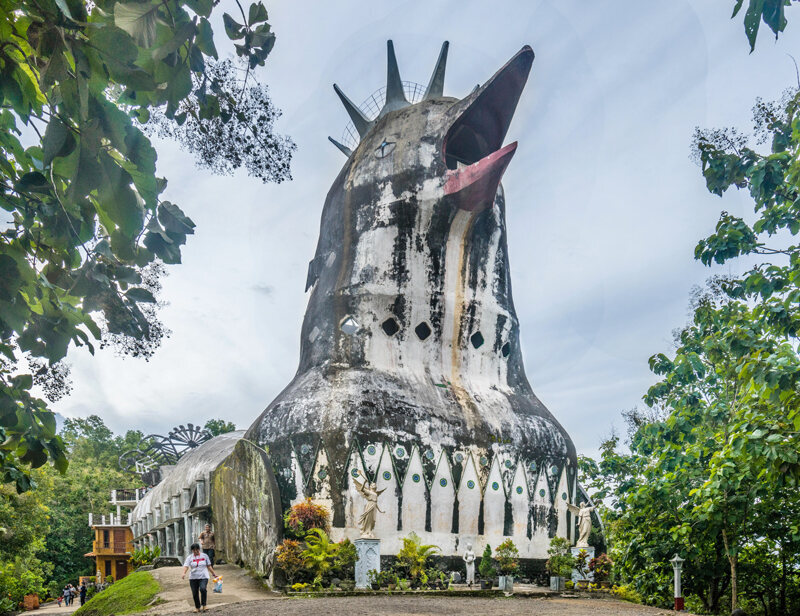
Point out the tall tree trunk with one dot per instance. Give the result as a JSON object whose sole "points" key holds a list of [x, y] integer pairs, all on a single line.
{"points": [[732, 559]]}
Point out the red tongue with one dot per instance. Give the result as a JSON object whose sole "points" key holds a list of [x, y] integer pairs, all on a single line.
{"points": [[473, 188]]}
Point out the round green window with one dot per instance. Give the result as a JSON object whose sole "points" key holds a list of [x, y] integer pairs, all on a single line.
{"points": [[519, 489], [400, 452], [415, 478], [532, 466], [484, 461], [387, 475], [322, 473], [470, 484], [542, 492], [354, 472], [508, 463], [443, 482], [495, 485], [563, 496], [429, 454], [371, 450]]}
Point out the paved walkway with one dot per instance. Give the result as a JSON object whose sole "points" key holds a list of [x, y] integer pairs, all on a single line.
{"points": [[237, 586], [52, 608], [382, 605]]}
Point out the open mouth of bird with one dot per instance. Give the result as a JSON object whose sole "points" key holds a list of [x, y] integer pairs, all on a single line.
{"points": [[472, 148]]}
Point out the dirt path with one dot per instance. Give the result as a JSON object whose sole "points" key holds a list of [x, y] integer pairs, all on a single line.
{"points": [[438, 606], [237, 586]]}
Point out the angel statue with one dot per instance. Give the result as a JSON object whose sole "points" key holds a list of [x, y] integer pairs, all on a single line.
{"points": [[370, 492], [584, 514]]}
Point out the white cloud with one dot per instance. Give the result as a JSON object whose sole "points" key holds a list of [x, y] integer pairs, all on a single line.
{"points": [[604, 207]]}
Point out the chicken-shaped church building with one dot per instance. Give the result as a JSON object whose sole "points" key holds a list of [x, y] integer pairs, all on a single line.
{"points": [[411, 371]]}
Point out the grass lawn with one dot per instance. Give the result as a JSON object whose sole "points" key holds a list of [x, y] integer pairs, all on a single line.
{"points": [[131, 594]]}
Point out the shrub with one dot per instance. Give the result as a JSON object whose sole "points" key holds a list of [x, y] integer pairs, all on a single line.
{"points": [[581, 565], [486, 567], [601, 567], [627, 593], [305, 516], [413, 557], [144, 556], [290, 559], [560, 562], [319, 554], [344, 563], [507, 557]]}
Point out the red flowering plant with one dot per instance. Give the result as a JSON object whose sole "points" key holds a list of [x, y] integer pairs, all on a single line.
{"points": [[304, 516]]}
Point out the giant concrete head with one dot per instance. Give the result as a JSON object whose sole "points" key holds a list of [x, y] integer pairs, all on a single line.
{"points": [[410, 364]]}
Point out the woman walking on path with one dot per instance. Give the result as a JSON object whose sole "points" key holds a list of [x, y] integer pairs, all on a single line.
{"points": [[200, 566]]}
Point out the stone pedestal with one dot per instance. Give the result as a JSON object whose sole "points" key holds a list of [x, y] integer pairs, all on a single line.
{"points": [[368, 557], [589, 574]]}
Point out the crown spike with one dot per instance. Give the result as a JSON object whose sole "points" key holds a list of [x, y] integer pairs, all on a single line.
{"points": [[436, 84], [345, 150], [360, 121], [395, 98]]}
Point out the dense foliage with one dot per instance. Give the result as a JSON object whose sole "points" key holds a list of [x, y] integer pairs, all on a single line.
{"points": [[85, 222]]}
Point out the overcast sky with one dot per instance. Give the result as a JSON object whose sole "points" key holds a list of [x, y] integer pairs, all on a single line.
{"points": [[604, 206]]}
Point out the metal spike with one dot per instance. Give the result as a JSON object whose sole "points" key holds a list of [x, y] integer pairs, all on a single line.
{"points": [[360, 121], [436, 84], [395, 98], [347, 151]]}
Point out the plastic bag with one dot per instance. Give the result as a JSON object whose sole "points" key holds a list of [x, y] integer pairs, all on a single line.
{"points": [[218, 584]]}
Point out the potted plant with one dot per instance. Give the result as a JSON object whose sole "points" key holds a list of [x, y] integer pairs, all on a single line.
{"points": [[507, 557], [486, 568], [403, 584], [560, 563], [581, 567], [600, 566], [374, 578]]}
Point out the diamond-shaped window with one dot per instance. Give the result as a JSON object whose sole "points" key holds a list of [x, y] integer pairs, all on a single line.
{"points": [[476, 339], [423, 330], [350, 326], [390, 326]]}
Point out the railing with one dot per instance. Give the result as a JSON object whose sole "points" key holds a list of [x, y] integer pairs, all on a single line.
{"points": [[129, 495], [113, 547], [110, 520]]}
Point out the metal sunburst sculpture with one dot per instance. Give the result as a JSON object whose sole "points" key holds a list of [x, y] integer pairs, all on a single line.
{"points": [[156, 450]]}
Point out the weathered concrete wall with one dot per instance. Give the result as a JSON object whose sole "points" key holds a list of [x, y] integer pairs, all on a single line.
{"points": [[410, 362], [246, 509]]}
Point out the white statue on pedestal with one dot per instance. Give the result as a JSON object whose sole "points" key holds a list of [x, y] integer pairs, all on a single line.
{"points": [[469, 559], [367, 520], [584, 514]]}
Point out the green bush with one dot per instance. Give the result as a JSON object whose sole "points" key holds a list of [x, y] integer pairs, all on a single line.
{"points": [[561, 562], [626, 592], [486, 567], [19, 578]]}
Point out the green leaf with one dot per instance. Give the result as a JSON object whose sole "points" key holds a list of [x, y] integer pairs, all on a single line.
{"points": [[57, 141], [752, 20], [173, 219], [114, 43], [138, 20], [257, 13], [737, 8], [62, 5], [139, 294], [205, 39], [232, 28], [182, 34]]}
